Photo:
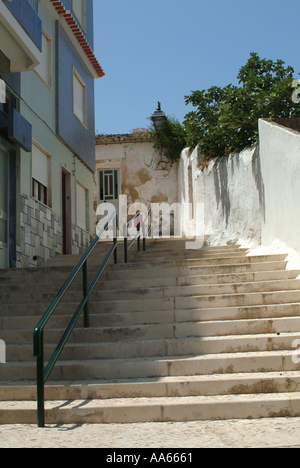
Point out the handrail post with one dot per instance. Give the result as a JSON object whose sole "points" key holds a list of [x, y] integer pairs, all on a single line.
{"points": [[40, 383], [115, 242], [85, 294], [125, 249], [139, 232]]}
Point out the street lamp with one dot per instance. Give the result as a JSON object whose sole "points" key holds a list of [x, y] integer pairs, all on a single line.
{"points": [[158, 118]]}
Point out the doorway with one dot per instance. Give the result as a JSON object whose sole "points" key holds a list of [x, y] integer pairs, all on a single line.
{"points": [[109, 187], [66, 213]]}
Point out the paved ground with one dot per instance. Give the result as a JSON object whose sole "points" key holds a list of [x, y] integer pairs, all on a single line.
{"points": [[277, 432]]}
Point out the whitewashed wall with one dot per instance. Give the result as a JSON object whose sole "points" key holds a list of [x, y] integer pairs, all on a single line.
{"points": [[280, 167], [230, 189]]}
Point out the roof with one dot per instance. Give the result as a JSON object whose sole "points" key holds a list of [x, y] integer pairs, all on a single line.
{"points": [[292, 123], [123, 138], [72, 23]]}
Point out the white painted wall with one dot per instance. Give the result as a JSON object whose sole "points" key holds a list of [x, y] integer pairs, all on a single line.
{"points": [[280, 167], [251, 198], [230, 191]]}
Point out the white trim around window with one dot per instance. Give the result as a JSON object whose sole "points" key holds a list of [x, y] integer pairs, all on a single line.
{"points": [[44, 69], [79, 11], [41, 175], [79, 98], [82, 217]]}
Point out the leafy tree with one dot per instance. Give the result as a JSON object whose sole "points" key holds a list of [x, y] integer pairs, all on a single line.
{"points": [[171, 140], [226, 119]]}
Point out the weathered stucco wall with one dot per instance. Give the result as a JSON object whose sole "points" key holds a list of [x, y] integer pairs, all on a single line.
{"points": [[280, 166], [142, 178], [231, 190]]}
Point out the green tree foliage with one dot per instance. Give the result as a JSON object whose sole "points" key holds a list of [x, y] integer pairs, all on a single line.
{"points": [[225, 120], [171, 140]]}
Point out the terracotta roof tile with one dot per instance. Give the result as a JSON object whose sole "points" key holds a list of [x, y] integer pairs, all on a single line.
{"points": [[72, 23], [123, 138]]}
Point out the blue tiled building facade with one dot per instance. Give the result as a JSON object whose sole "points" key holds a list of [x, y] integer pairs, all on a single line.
{"points": [[47, 150]]}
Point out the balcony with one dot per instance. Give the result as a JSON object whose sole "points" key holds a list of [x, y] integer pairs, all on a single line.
{"points": [[35, 5], [20, 34]]}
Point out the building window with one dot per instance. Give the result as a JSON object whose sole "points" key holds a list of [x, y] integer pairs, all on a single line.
{"points": [[81, 207], [10, 101], [108, 185], [79, 11], [40, 175], [44, 69], [79, 98]]}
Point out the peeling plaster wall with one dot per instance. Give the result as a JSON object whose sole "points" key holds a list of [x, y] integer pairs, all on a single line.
{"points": [[232, 192], [142, 179]]}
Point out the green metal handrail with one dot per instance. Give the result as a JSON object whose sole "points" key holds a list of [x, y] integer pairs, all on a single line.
{"points": [[137, 237], [38, 335], [150, 229]]}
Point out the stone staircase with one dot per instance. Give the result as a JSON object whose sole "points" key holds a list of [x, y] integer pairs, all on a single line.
{"points": [[175, 335]]}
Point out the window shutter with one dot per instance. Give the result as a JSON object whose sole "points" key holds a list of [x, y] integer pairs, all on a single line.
{"points": [[101, 185], [81, 207], [79, 10], [40, 166], [116, 182]]}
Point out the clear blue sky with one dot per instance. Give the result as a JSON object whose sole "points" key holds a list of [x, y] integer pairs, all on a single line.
{"points": [[161, 50]]}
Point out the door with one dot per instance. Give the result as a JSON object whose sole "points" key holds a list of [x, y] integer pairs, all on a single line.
{"points": [[109, 187], [3, 207]]}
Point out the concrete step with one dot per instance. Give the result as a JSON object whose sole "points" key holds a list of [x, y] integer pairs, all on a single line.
{"points": [[63, 317], [157, 293], [61, 274], [158, 331], [201, 385], [157, 367], [156, 409], [141, 257], [157, 262], [253, 305], [196, 302], [163, 347], [175, 335], [167, 282], [162, 305]]}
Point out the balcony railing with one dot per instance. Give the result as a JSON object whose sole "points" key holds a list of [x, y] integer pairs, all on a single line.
{"points": [[35, 5], [26, 13]]}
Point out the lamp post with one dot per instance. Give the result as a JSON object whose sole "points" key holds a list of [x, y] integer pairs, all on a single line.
{"points": [[158, 118]]}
